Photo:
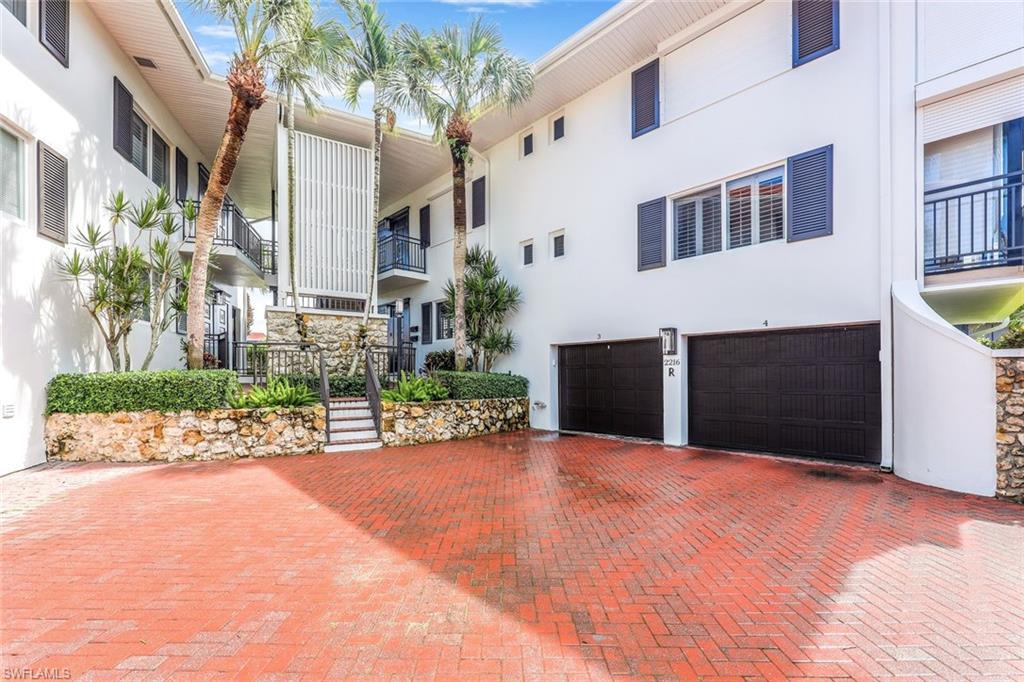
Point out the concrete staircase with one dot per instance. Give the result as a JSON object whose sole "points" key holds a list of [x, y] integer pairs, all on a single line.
{"points": [[352, 426]]}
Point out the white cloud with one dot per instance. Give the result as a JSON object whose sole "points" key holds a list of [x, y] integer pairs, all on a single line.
{"points": [[216, 31], [477, 5], [476, 9], [217, 60]]}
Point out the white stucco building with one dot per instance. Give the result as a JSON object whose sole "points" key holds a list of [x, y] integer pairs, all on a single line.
{"points": [[806, 195]]}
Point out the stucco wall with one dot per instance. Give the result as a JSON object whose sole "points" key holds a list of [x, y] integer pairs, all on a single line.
{"points": [[337, 333], [415, 423], [210, 434]]}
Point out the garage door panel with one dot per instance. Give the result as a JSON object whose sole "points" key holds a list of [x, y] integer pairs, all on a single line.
{"points": [[813, 392], [622, 384]]}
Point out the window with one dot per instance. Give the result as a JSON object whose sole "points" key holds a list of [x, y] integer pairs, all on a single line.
{"points": [[810, 194], [650, 227], [425, 324], [645, 112], [181, 323], [204, 180], [815, 29], [445, 328], [140, 142], [54, 25], [160, 166], [479, 201], [53, 194], [425, 226], [12, 175], [558, 244], [558, 128], [527, 144], [181, 175], [528, 252], [17, 8], [754, 209], [697, 224]]}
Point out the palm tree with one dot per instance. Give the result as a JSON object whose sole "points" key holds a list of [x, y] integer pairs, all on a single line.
{"points": [[451, 77], [262, 27], [371, 59], [308, 63]]}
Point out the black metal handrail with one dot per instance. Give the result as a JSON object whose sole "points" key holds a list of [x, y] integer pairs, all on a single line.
{"points": [[235, 230], [372, 390], [399, 252], [388, 363], [978, 228]]}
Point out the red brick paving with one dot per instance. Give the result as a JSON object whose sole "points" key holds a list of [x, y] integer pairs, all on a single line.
{"points": [[507, 557]]}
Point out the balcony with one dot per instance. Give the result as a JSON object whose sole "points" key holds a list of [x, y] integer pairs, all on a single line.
{"points": [[241, 257], [401, 261], [974, 248]]}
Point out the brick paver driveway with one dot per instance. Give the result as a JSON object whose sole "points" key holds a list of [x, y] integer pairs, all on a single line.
{"points": [[527, 555]]}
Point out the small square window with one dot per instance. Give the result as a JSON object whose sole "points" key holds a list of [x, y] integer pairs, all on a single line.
{"points": [[12, 175], [528, 253], [558, 244], [558, 128], [527, 144]]}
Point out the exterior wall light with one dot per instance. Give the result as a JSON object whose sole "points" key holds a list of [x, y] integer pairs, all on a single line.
{"points": [[669, 340]]}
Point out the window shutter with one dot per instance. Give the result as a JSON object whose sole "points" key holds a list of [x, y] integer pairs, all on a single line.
{"points": [[17, 8], [425, 330], [161, 161], [815, 29], [54, 25], [425, 226], [645, 99], [53, 194], [123, 110], [686, 228], [528, 145], [769, 201], [559, 245], [180, 175], [479, 201], [712, 225], [528, 254], [810, 194], [650, 223], [559, 128], [741, 217]]}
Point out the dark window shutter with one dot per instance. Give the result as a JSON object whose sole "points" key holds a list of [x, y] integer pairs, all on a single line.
{"points": [[528, 145], [161, 162], [181, 175], [53, 194], [559, 245], [425, 322], [646, 116], [17, 8], [140, 142], [123, 110], [479, 201], [204, 179], [650, 228], [559, 128], [815, 29], [54, 27], [528, 254], [425, 226], [810, 194]]}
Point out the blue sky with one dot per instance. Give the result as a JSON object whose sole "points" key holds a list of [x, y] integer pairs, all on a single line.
{"points": [[530, 27]]}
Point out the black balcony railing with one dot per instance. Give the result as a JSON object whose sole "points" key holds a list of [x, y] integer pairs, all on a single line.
{"points": [[234, 230], [977, 224], [399, 252]]}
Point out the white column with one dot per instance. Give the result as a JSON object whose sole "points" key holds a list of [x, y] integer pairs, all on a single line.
{"points": [[675, 386]]}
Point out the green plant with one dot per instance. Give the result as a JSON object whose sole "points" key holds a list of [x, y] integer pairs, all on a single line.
{"points": [[342, 385], [451, 77], [482, 385], [1013, 337], [130, 272], [489, 299], [171, 390], [415, 389], [277, 393], [439, 360]]}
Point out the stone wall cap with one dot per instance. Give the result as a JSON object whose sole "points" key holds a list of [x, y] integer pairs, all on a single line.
{"points": [[1008, 353]]}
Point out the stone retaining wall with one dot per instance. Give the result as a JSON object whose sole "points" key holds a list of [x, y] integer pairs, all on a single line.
{"points": [[336, 332], [170, 436], [412, 423], [1010, 428]]}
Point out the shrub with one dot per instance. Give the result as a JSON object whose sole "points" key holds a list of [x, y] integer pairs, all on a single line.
{"points": [[414, 389], [171, 390], [439, 360], [342, 385], [1013, 337], [482, 385], [278, 393]]}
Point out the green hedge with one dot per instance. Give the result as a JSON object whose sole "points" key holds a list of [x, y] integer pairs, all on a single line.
{"points": [[342, 385], [481, 385], [171, 390]]}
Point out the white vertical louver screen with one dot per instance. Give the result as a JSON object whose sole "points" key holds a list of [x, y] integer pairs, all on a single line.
{"points": [[987, 106], [333, 216]]}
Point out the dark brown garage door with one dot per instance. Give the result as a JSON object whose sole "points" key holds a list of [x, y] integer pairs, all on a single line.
{"points": [[611, 388], [812, 392]]}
